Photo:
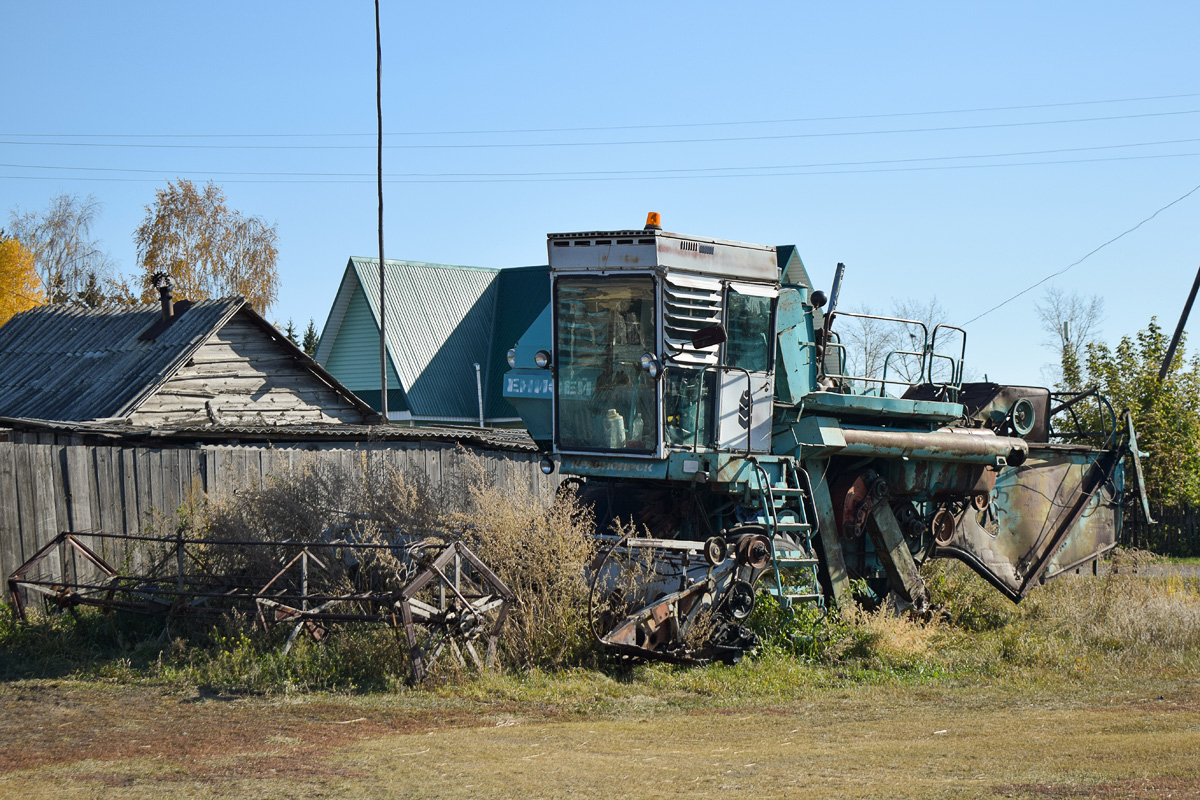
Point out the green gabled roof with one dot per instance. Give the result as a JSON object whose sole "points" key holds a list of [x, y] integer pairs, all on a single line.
{"points": [[441, 320], [791, 268], [523, 293], [354, 353]]}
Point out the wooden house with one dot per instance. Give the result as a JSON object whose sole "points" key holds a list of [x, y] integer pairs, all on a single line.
{"points": [[211, 362]]}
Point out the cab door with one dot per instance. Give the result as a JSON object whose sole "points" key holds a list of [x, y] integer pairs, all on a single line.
{"points": [[746, 377]]}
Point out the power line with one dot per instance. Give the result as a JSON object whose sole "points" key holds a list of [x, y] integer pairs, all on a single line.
{"points": [[616, 172], [1052, 151], [586, 178], [626, 142], [1030, 288], [659, 126]]}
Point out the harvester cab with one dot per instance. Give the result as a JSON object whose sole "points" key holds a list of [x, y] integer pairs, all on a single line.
{"points": [[726, 436]]}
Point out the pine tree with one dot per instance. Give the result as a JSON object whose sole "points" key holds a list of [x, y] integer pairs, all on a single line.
{"points": [[311, 339]]}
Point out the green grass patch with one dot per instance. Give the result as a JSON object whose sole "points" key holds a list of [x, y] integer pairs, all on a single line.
{"points": [[1073, 628]]}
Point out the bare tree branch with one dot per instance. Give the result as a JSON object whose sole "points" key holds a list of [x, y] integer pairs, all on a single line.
{"points": [[70, 264], [1070, 322]]}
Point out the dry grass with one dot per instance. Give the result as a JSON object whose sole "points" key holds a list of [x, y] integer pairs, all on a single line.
{"points": [[882, 637], [1120, 737], [542, 555], [1073, 624], [1132, 620]]}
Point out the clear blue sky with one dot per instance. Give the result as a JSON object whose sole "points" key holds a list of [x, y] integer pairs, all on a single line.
{"points": [[720, 119]]}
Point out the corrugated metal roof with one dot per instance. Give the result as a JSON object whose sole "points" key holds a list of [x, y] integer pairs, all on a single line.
{"points": [[64, 363], [497, 438], [439, 323]]}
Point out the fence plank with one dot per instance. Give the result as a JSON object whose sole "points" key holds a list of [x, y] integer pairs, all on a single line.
{"points": [[10, 520], [45, 504]]}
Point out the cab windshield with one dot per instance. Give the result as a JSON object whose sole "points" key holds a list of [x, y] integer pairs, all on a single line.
{"points": [[604, 399]]}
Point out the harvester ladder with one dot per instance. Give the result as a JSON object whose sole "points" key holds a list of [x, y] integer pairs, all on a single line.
{"points": [[794, 562]]}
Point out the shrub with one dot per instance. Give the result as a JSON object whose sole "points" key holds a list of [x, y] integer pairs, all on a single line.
{"points": [[542, 554]]}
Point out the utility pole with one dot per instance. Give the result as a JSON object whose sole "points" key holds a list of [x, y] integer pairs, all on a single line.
{"points": [[1183, 318], [383, 387]]}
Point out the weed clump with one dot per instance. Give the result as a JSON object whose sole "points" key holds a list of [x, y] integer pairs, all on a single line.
{"points": [[965, 600], [542, 554], [879, 640]]}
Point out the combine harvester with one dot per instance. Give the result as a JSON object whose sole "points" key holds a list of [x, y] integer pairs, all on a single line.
{"points": [[697, 392]]}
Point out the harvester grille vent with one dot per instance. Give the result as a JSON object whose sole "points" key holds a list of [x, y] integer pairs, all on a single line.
{"points": [[690, 303]]}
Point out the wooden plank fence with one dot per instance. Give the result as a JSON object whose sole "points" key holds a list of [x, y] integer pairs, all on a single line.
{"points": [[1176, 534], [120, 488]]}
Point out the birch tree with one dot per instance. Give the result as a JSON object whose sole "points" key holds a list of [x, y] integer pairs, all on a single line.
{"points": [[1070, 322], [19, 286], [71, 267], [208, 249]]}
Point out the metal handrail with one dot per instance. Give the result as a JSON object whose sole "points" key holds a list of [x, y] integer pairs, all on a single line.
{"points": [[962, 354], [927, 355]]}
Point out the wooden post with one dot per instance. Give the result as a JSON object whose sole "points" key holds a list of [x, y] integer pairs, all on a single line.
{"points": [[304, 579]]}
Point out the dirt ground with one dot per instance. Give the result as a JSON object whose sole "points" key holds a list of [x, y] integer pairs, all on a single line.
{"points": [[1113, 739]]}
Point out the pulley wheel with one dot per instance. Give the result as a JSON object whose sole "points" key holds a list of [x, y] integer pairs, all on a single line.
{"points": [[1024, 417], [943, 527], [716, 549], [740, 600], [755, 551]]}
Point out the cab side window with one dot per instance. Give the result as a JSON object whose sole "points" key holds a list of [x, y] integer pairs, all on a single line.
{"points": [[749, 324]]}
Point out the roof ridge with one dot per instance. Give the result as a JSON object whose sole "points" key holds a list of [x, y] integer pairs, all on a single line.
{"points": [[425, 264]]}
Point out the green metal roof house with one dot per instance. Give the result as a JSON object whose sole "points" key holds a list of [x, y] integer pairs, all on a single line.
{"points": [[441, 321]]}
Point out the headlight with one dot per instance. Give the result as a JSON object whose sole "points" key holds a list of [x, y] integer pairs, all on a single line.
{"points": [[547, 465], [542, 359], [650, 364], [512, 357]]}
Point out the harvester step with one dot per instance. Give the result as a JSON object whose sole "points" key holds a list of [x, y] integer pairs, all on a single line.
{"points": [[794, 593]]}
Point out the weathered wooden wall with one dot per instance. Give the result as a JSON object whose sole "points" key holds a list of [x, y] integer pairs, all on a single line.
{"points": [[241, 376], [46, 488]]}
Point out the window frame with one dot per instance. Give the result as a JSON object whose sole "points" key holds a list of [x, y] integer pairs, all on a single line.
{"points": [[656, 447]]}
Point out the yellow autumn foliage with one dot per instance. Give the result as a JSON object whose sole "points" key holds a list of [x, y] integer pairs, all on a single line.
{"points": [[19, 285]]}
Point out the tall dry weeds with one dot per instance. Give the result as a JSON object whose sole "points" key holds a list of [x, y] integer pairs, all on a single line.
{"points": [[1131, 619], [374, 502], [542, 554]]}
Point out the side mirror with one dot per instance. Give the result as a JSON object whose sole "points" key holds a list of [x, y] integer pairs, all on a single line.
{"points": [[709, 336]]}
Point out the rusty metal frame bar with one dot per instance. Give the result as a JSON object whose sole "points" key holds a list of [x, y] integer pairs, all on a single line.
{"points": [[189, 591], [435, 570]]}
